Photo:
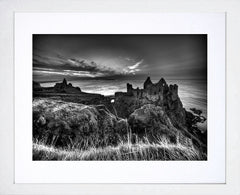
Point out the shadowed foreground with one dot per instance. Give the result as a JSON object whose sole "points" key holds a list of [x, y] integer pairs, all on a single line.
{"points": [[140, 151], [140, 124]]}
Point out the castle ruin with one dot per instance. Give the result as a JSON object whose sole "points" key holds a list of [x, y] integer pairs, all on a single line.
{"points": [[160, 94], [154, 91]]}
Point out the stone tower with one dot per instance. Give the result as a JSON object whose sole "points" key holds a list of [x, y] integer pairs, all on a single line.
{"points": [[64, 82], [147, 83]]}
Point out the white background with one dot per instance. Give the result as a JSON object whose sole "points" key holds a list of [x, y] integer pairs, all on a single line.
{"points": [[210, 171], [7, 185]]}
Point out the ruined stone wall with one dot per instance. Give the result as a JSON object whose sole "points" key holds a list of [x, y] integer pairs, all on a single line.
{"points": [[151, 91], [173, 89]]}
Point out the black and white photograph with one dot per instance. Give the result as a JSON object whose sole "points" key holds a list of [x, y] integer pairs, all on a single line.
{"points": [[119, 97]]}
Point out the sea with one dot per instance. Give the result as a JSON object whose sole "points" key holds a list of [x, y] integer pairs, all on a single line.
{"points": [[193, 93]]}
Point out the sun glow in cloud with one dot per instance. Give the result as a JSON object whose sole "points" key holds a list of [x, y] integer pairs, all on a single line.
{"points": [[135, 65], [132, 69]]}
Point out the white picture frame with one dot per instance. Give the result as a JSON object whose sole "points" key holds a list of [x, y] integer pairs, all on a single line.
{"points": [[7, 162]]}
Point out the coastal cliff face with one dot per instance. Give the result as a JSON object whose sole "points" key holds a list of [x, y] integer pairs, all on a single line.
{"points": [[157, 109]]}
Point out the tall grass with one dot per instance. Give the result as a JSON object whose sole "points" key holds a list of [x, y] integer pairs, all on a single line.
{"points": [[142, 150]]}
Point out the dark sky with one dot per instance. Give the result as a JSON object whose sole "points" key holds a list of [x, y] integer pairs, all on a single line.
{"points": [[119, 56]]}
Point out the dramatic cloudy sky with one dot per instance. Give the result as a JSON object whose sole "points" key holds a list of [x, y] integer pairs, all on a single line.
{"points": [[119, 56]]}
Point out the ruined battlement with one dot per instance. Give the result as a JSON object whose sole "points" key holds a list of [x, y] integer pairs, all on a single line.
{"points": [[153, 90]]}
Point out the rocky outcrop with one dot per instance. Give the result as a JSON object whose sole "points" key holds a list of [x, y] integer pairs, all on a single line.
{"points": [[65, 87], [150, 117], [66, 124], [196, 111], [152, 121]]}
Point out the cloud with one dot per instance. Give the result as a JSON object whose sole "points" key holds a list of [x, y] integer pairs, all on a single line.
{"points": [[48, 72], [52, 63], [132, 69], [135, 65], [69, 66]]}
